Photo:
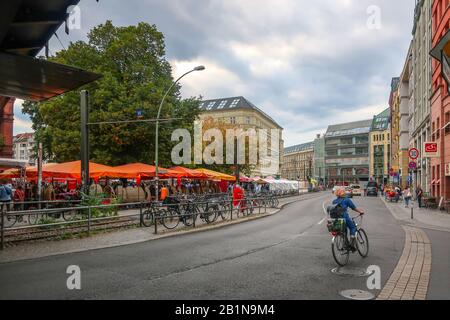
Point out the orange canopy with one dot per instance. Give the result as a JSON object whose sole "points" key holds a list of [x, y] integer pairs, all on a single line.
{"points": [[189, 173], [134, 170], [73, 170], [217, 175]]}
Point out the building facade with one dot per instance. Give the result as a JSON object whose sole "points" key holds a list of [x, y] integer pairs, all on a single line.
{"points": [[298, 163], [399, 102], [380, 147], [420, 90], [6, 127], [24, 148], [440, 105], [242, 114], [347, 153], [319, 159]]}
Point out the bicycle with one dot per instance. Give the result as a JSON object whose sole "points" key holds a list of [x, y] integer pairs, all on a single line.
{"points": [[341, 246]]}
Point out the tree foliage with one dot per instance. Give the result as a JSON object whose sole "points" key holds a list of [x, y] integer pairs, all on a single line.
{"points": [[135, 76]]}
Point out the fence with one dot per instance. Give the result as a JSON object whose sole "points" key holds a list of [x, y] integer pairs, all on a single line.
{"points": [[23, 225]]}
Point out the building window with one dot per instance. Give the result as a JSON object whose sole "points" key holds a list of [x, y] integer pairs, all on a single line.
{"points": [[222, 104], [438, 129], [248, 120], [210, 105], [233, 120], [234, 103]]}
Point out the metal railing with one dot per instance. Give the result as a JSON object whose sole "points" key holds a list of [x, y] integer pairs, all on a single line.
{"points": [[49, 222]]}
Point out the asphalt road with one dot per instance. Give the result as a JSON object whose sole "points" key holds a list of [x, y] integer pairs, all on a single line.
{"points": [[285, 256]]}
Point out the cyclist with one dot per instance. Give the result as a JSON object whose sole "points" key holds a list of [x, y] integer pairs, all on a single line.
{"points": [[346, 203]]}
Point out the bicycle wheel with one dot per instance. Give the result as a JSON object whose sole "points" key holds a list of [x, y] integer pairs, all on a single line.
{"points": [[362, 243], [188, 217], [276, 202], [210, 215], [224, 211], [148, 218], [339, 248], [170, 219]]}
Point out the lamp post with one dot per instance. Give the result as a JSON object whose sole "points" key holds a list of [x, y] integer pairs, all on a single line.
{"points": [[199, 68]]}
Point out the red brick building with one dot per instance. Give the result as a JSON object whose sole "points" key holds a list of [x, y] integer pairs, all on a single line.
{"points": [[6, 127]]}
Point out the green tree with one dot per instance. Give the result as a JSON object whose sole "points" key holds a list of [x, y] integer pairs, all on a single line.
{"points": [[135, 76]]}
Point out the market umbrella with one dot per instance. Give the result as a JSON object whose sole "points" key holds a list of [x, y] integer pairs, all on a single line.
{"points": [[217, 175], [134, 170], [188, 173]]}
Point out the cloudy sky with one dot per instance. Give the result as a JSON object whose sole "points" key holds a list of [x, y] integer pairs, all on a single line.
{"points": [[307, 63]]}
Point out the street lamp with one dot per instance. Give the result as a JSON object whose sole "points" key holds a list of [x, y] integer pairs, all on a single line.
{"points": [[198, 68]]}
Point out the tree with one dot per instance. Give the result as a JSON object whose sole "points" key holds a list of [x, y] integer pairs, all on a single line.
{"points": [[135, 76], [211, 123]]}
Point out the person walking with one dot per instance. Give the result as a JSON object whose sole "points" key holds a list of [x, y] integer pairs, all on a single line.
{"points": [[5, 195], [407, 196], [419, 195]]}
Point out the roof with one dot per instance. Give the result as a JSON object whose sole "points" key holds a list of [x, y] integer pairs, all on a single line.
{"points": [[299, 148], [232, 103], [347, 129], [23, 136], [381, 122]]}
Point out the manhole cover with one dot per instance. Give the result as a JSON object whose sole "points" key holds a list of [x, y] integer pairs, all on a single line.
{"points": [[349, 271], [355, 294]]}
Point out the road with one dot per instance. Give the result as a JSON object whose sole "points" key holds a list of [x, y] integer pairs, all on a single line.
{"points": [[285, 256]]}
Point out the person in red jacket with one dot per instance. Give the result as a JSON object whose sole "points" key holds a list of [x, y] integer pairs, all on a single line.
{"points": [[238, 195]]}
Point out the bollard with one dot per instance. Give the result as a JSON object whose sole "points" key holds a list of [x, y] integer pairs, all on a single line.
{"points": [[194, 217], [2, 226], [231, 210], [155, 222], [412, 212], [89, 221], [141, 218]]}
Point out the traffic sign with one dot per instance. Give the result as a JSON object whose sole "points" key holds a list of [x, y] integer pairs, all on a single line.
{"points": [[412, 166], [414, 153]]}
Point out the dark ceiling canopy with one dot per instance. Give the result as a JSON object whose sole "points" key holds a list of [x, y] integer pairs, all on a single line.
{"points": [[26, 26], [34, 79]]}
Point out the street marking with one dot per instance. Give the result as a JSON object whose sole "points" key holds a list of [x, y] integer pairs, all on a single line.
{"points": [[411, 276], [321, 221], [324, 210]]}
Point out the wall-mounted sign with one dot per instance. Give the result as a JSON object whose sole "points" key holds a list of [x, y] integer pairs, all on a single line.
{"points": [[447, 169], [431, 150]]}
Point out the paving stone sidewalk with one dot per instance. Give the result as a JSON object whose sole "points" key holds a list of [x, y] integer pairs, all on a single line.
{"points": [[422, 217], [41, 249]]}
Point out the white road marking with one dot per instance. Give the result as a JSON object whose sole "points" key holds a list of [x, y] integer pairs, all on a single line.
{"points": [[321, 221]]}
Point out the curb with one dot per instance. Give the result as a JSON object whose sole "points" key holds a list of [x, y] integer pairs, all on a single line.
{"points": [[167, 235]]}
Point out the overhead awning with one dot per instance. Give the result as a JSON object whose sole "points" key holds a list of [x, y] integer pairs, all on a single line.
{"points": [[25, 28], [34, 79], [12, 163]]}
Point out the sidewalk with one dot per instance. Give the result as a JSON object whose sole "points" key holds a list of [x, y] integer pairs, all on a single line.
{"points": [[422, 218], [41, 249]]}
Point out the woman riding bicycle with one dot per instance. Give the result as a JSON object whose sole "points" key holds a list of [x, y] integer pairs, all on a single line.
{"points": [[346, 203]]}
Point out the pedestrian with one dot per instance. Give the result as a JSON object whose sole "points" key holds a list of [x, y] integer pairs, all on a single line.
{"points": [[5, 195], [419, 195], [407, 196], [398, 193], [19, 198], [164, 192]]}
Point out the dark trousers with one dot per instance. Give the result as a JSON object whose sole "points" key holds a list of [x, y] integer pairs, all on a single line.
{"points": [[419, 200]]}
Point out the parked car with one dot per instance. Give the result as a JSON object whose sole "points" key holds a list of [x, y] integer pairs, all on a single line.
{"points": [[372, 189], [349, 192], [356, 189]]}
